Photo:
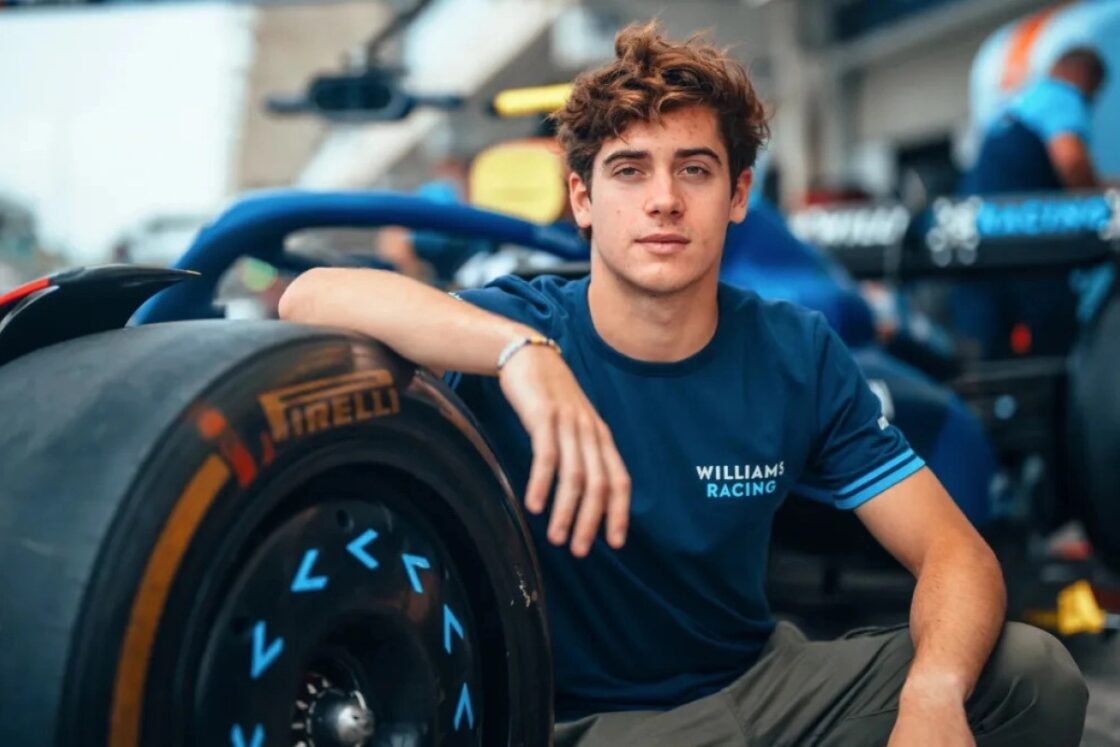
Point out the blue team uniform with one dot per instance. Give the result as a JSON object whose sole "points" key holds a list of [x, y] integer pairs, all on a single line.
{"points": [[714, 444], [1013, 156]]}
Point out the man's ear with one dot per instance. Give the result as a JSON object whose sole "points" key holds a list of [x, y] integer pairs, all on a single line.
{"points": [[740, 196], [579, 193]]}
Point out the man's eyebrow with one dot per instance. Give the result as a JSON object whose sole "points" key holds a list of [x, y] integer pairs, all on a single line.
{"points": [[625, 155], [690, 152], [638, 155]]}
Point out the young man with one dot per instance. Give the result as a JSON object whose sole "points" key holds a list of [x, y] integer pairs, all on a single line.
{"points": [[685, 411]]}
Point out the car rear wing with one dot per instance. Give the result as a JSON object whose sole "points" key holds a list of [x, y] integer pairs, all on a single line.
{"points": [[968, 236], [76, 302]]}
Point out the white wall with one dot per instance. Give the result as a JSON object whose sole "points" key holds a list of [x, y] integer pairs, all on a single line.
{"points": [[108, 115], [925, 91], [903, 83]]}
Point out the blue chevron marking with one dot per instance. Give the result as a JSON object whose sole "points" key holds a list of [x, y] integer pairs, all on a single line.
{"points": [[450, 622], [304, 581], [357, 548], [464, 707], [237, 737], [411, 563], [263, 655]]}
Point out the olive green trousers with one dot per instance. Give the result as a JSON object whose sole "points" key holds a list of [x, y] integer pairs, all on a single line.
{"points": [[845, 692]]}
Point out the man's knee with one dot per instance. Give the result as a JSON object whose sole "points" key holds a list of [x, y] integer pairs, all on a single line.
{"points": [[1032, 678]]}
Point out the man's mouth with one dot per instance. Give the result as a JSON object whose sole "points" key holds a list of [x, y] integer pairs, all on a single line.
{"points": [[664, 243]]}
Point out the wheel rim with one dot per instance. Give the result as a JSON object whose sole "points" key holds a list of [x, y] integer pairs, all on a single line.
{"points": [[348, 624]]}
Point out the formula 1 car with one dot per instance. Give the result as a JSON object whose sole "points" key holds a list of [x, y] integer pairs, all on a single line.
{"points": [[250, 532], [1050, 403]]}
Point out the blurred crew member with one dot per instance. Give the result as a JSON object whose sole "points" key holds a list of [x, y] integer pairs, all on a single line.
{"points": [[1041, 142]]}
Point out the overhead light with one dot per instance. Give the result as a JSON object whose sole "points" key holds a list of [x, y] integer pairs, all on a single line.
{"points": [[522, 102]]}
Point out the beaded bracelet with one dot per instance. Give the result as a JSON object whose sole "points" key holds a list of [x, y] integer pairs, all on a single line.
{"points": [[509, 350]]}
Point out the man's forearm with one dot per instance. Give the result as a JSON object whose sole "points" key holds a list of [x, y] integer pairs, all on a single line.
{"points": [[421, 323], [956, 617], [1070, 157]]}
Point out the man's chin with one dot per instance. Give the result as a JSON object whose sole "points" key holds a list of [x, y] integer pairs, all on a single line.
{"points": [[662, 283], [654, 278]]}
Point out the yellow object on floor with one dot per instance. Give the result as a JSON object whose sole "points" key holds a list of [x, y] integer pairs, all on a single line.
{"points": [[1077, 612]]}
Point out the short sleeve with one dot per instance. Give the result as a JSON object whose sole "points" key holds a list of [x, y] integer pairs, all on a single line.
{"points": [[1054, 108], [856, 454], [516, 299]]}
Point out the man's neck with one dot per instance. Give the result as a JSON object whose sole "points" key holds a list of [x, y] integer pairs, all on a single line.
{"points": [[653, 328]]}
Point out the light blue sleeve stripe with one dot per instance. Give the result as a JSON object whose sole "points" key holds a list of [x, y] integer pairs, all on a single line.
{"points": [[889, 481], [860, 482]]}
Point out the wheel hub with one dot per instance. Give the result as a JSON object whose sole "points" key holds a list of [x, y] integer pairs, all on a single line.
{"points": [[329, 715], [341, 719]]}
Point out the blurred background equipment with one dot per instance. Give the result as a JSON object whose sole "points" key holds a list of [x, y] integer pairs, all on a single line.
{"points": [[370, 93], [123, 111]]}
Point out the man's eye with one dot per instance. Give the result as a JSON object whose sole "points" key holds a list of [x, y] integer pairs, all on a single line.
{"points": [[695, 170], [626, 171]]}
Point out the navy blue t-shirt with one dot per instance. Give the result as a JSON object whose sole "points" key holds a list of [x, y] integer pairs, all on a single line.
{"points": [[713, 444]]}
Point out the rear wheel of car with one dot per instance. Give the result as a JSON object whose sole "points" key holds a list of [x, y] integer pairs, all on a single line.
{"points": [[1093, 451], [253, 534]]}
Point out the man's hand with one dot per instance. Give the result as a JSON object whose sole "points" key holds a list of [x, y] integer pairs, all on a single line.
{"points": [[931, 715], [571, 440]]}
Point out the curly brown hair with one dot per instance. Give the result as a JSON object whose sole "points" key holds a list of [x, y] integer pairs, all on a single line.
{"points": [[652, 76]]}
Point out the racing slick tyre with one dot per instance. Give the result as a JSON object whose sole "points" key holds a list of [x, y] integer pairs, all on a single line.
{"points": [[257, 533], [1094, 431]]}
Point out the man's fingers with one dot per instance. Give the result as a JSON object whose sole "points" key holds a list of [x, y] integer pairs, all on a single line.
{"points": [[618, 493], [569, 487], [595, 490], [544, 465]]}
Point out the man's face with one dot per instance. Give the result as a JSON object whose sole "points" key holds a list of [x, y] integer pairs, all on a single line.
{"points": [[660, 201]]}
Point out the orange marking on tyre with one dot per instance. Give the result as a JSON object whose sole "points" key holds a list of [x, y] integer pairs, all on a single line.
{"points": [[213, 426], [211, 423], [151, 597], [239, 458]]}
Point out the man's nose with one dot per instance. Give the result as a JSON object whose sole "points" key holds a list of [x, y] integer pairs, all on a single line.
{"points": [[664, 197]]}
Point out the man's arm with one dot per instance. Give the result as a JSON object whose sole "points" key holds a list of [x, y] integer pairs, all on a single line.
{"points": [[569, 439], [421, 323], [1072, 161], [959, 603]]}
